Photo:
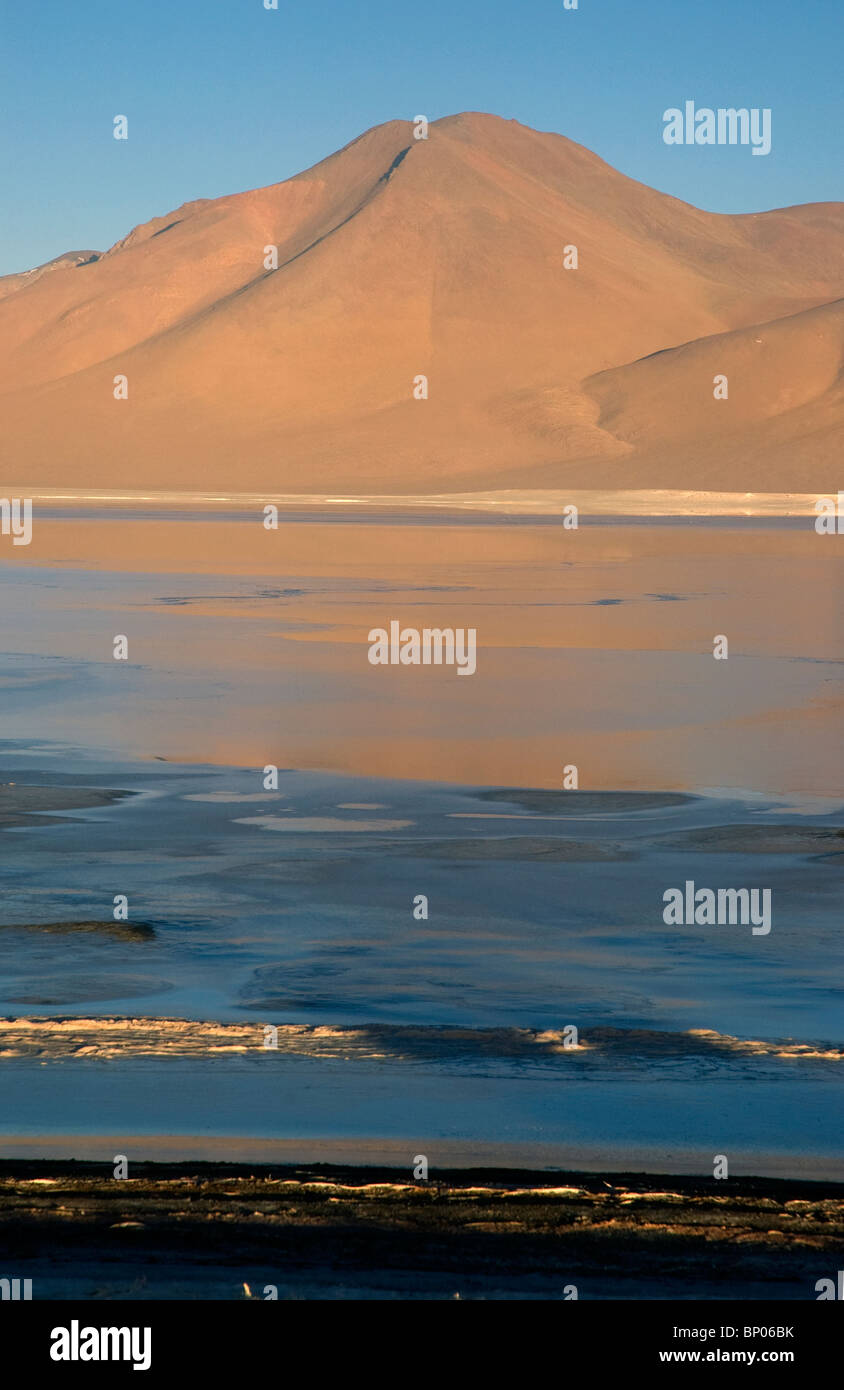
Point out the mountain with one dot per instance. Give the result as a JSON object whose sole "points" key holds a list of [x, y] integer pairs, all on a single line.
{"points": [[442, 257]]}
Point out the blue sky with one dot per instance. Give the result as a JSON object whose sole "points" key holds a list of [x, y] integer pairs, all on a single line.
{"points": [[223, 95]]}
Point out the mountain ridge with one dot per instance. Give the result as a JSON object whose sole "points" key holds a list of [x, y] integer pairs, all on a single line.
{"points": [[400, 258]]}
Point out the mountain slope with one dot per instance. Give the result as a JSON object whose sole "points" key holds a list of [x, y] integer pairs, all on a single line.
{"points": [[783, 417], [441, 257]]}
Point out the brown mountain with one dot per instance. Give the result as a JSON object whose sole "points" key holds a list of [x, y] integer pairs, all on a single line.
{"points": [[441, 257]]}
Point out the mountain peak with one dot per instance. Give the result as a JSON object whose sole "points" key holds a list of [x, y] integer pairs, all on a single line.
{"points": [[278, 337]]}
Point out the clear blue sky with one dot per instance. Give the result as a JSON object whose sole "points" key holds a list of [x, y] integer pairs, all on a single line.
{"points": [[223, 95]]}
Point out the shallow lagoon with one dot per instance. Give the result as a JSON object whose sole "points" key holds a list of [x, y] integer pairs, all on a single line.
{"points": [[296, 906]]}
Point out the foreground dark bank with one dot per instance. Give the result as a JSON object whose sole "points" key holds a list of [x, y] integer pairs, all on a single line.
{"points": [[225, 1231]]}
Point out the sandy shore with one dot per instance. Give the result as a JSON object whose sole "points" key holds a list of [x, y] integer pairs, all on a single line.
{"points": [[222, 1231]]}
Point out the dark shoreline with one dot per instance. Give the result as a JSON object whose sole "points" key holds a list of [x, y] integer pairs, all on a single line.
{"points": [[326, 1231], [31, 804]]}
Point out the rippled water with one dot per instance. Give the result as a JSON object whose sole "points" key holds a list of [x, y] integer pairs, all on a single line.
{"points": [[296, 907]]}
